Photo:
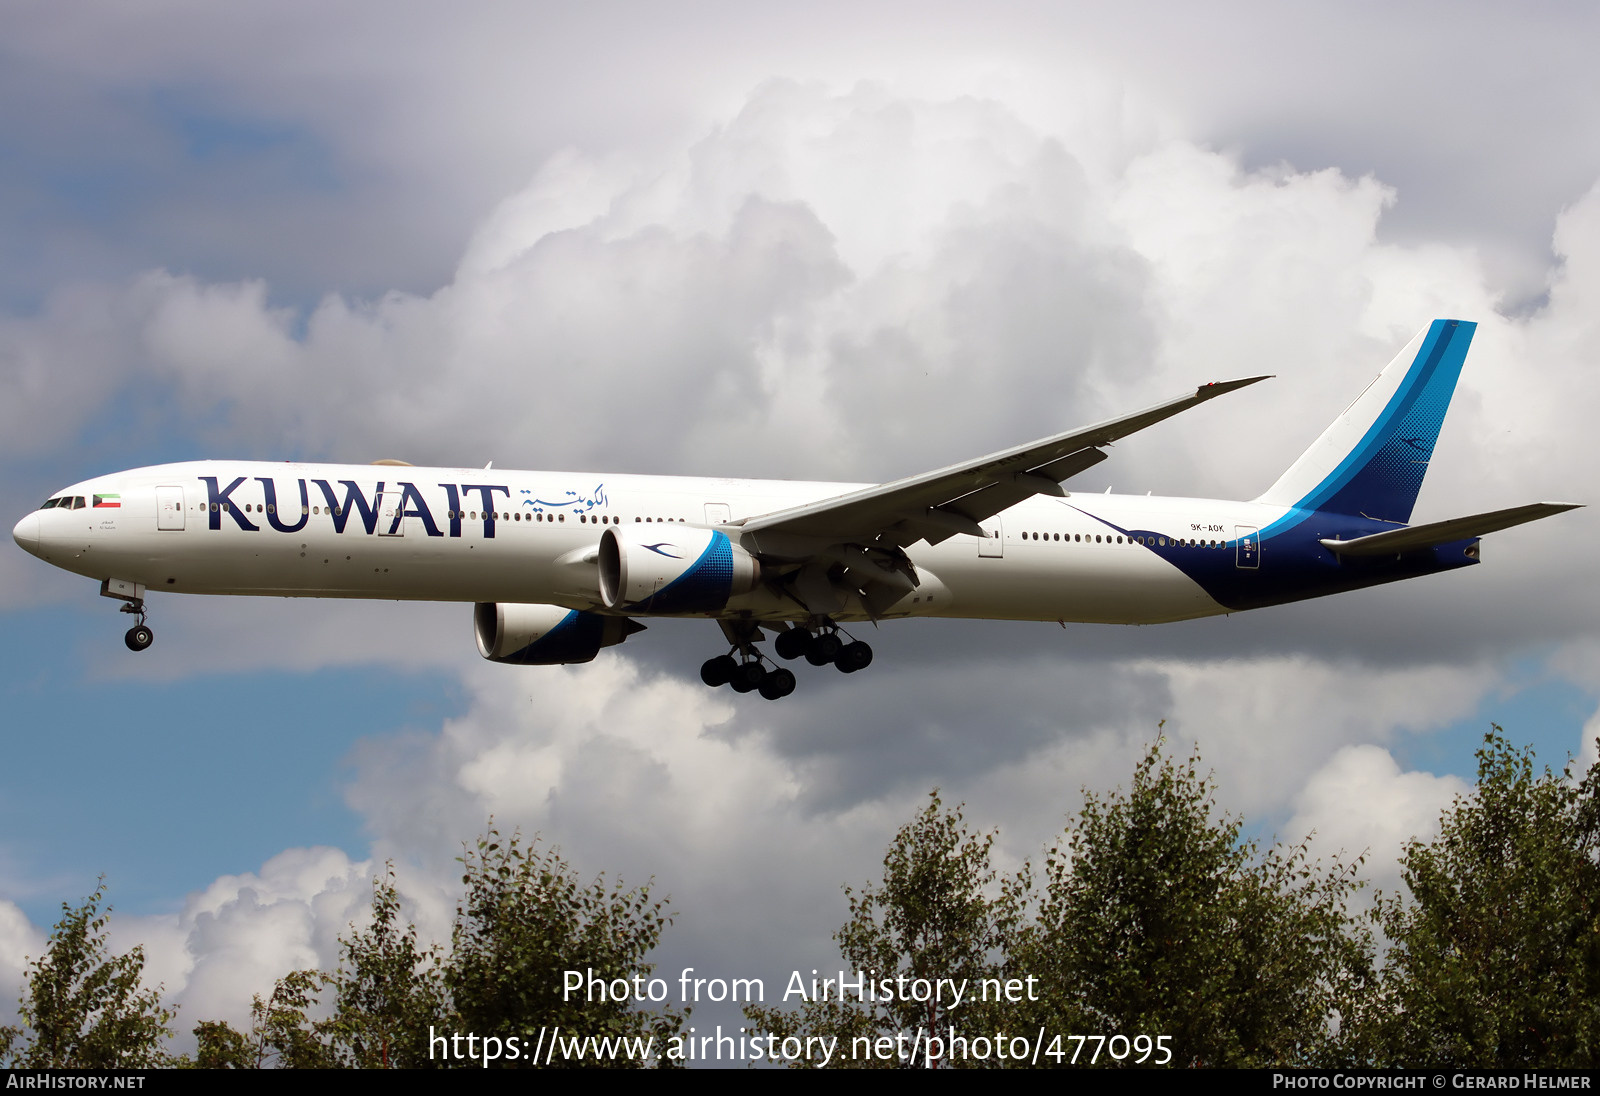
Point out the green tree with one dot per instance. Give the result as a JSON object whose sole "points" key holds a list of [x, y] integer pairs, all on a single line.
{"points": [[386, 995], [1495, 960], [84, 1009], [1157, 920], [281, 1033], [220, 1046], [389, 993], [932, 917], [526, 919]]}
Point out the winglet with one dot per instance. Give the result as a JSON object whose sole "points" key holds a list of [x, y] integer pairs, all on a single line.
{"points": [[1218, 388]]}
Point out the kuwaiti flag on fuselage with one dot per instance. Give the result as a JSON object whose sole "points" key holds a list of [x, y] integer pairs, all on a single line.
{"points": [[113, 502]]}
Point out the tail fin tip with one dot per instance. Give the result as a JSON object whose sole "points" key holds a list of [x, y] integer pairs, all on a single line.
{"points": [[1371, 461]]}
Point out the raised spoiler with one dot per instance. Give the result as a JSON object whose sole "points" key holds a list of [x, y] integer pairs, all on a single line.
{"points": [[1436, 533]]}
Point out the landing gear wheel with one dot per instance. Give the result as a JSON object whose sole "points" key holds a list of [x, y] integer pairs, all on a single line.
{"points": [[139, 637], [855, 656], [747, 677], [824, 649], [777, 684], [718, 671], [793, 643]]}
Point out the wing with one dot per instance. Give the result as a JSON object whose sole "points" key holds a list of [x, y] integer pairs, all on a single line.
{"points": [[937, 505]]}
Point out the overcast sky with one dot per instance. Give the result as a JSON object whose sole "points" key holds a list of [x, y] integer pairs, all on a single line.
{"points": [[842, 241]]}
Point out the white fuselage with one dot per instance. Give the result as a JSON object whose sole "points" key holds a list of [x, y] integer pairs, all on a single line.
{"points": [[487, 535]]}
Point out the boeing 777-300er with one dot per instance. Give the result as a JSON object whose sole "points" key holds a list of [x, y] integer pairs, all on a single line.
{"points": [[561, 564]]}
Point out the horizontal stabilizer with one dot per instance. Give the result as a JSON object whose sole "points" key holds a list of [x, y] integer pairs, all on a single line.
{"points": [[1446, 532]]}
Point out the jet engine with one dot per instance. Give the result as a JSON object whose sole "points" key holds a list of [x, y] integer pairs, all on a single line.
{"points": [[545, 635], [672, 569]]}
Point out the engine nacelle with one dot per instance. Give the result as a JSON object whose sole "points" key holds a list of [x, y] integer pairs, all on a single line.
{"points": [[545, 635], [672, 569]]}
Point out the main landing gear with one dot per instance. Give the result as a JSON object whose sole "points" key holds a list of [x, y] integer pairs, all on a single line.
{"points": [[749, 673], [747, 676], [822, 647]]}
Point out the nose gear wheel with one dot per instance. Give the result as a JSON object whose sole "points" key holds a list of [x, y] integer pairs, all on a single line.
{"points": [[139, 636]]}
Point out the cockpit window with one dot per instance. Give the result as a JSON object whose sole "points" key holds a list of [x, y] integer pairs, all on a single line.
{"points": [[51, 504]]}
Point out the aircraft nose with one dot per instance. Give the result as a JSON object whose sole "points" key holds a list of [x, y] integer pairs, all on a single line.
{"points": [[26, 533]]}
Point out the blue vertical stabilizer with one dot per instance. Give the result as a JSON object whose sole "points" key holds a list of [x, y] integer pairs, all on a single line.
{"points": [[1371, 461]]}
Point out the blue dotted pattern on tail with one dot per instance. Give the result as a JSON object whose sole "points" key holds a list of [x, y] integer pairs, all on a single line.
{"points": [[704, 587], [1381, 476]]}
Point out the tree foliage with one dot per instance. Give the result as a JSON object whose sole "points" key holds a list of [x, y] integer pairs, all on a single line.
{"points": [[1150, 917], [84, 1009], [1157, 919], [934, 916], [525, 918], [385, 994], [1496, 951]]}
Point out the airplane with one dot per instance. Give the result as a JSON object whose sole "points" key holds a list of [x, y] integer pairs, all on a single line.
{"points": [[559, 565]]}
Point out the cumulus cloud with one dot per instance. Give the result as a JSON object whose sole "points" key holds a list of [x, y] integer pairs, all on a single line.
{"points": [[20, 944], [243, 932], [1360, 804]]}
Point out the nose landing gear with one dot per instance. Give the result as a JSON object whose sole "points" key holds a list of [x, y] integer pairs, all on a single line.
{"points": [[139, 636], [131, 594]]}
